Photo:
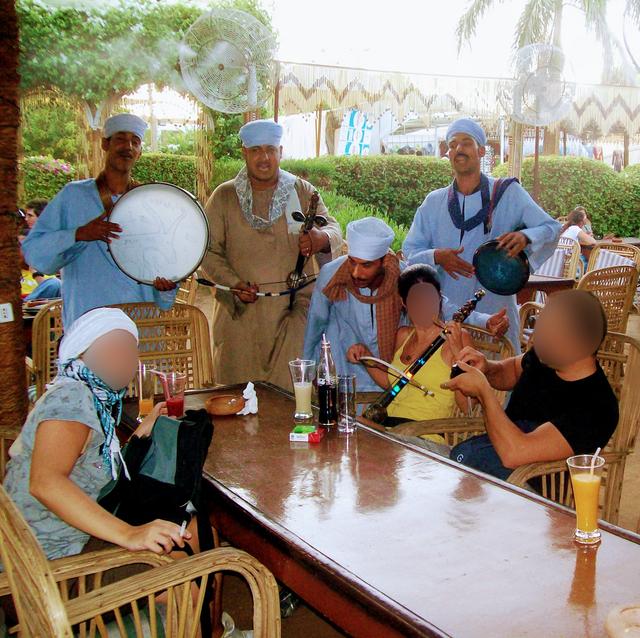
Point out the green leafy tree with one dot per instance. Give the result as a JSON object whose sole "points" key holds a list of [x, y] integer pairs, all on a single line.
{"points": [[97, 54]]}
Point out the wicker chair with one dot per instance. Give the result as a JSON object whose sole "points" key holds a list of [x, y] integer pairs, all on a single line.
{"points": [[528, 314], [47, 331], [187, 291], [620, 248], [44, 604], [615, 288], [620, 360], [565, 262], [177, 338]]}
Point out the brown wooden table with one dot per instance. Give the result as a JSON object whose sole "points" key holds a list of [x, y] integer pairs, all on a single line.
{"points": [[543, 284], [386, 540]]}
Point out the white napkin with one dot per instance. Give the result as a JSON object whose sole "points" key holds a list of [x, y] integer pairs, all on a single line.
{"points": [[251, 400]]}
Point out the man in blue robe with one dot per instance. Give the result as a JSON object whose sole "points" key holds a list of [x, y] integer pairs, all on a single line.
{"points": [[453, 222], [73, 233]]}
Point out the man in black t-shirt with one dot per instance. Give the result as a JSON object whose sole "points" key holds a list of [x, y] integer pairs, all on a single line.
{"points": [[561, 402]]}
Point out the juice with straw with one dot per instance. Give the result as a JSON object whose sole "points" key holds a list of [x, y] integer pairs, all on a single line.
{"points": [[586, 476], [586, 488]]}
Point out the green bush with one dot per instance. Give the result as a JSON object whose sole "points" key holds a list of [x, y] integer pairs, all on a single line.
{"points": [[632, 171], [45, 176], [611, 199], [224, 170], [161, 167], [345, 210], [396, 185]]}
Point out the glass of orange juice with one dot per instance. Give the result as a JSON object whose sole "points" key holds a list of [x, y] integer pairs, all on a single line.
{"points": [[146, 389], [586, 491]]}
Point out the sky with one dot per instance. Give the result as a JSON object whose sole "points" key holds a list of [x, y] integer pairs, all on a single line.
{"points": [[419, 36]]}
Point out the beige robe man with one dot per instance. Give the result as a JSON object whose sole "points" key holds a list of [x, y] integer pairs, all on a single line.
{"points": [[256, 341]]}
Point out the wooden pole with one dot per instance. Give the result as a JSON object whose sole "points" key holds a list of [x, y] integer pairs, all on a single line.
{"points": [[515, 149], [276, 94], [625, 156], [318, 129], [536, 168], [13, 386]]}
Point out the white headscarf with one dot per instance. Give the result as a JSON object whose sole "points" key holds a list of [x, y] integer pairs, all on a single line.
{"points": [[91, 326]]}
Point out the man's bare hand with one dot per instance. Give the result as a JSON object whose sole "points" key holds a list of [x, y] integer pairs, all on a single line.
{"points": [[313, 241], [453, 265], [514, 243], [98, 229], [163, 285], [498, 324], [246, 292]]}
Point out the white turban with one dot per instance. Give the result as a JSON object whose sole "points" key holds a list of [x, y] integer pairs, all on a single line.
{"points": [[91, 326], [260, 133], [369, 238], [124, 122]]}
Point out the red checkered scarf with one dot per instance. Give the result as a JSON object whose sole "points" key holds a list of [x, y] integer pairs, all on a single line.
{"points": [[387, 300]]}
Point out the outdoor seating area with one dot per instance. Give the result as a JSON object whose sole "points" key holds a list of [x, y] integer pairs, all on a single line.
{"points": [[318, 328]]}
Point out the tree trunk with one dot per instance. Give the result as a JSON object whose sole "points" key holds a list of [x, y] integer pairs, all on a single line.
{"points": [[551, 143], [13, 387]]}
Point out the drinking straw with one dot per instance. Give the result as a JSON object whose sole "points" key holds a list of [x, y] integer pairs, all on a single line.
{"points": [[164, 382], [593, 460]]}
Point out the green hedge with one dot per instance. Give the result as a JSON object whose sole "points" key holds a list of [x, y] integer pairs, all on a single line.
{"points": [[161, 167], [320, 172], [44, 176], [396, 185], [345, 210], [611, 199]]}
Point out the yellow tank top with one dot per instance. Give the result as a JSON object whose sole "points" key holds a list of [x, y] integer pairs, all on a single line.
{"points": [[411, 403]]}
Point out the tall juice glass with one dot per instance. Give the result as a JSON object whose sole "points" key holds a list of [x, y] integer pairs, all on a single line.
{"points": [[586, 492], [146, 389], [303, 372]]}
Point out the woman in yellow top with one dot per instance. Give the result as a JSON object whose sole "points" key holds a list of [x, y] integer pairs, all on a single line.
{"points": [[419, 290]]}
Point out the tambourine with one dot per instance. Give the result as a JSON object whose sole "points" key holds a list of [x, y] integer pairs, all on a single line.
{"points": [[499, 273], [164, 233]]}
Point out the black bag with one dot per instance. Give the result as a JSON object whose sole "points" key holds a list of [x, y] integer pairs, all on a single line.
{"points": [[165, 482], [165, 471]]}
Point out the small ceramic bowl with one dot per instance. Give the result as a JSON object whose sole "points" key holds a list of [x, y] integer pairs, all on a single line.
{"points": [[224, 404]]}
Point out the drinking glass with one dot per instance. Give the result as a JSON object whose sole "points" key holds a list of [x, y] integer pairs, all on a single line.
{"points": [[174, 393], [303, 372], [586, 492], [146, 389], [346, 402]]}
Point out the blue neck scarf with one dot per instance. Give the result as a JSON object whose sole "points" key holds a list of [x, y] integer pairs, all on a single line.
{"points": [[489, 202], [108, 404]]}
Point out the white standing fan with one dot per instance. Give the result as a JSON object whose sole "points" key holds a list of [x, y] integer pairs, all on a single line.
{"points": [[541, 93], [226, 61]]}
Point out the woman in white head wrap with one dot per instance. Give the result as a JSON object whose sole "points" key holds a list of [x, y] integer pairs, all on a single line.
{"points": [[68, 449]]}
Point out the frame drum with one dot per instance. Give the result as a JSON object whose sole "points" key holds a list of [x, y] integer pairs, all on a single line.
{"points": [[164, 233], [499, 273]]}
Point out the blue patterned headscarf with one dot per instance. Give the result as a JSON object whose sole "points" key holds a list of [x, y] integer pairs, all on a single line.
{"points": [[108, 404]]}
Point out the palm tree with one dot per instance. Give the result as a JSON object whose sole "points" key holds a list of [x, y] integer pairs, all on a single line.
{"points": [[13, 391], [541, 21]]}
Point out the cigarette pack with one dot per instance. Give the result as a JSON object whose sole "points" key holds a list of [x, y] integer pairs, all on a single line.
{"points": [[306, 434]]}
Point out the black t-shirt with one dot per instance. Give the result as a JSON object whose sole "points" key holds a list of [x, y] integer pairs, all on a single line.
{"points": [[584, 411]]}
